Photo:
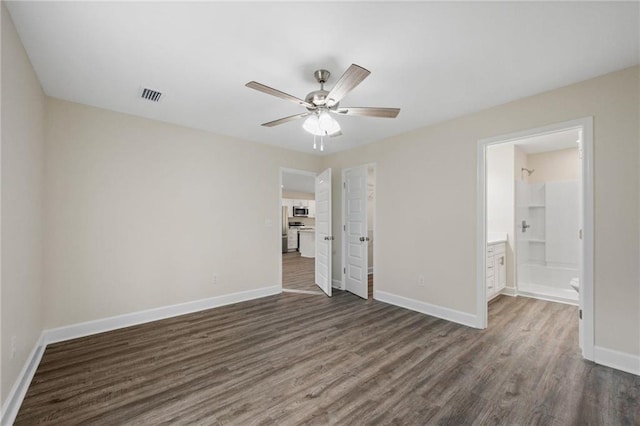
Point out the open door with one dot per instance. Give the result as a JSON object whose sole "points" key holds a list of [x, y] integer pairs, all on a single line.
{"points": [[356, 240], [323, 231]]}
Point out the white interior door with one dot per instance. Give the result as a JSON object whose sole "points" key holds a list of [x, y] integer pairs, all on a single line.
{"points": [[356, 240], [323, 231]]}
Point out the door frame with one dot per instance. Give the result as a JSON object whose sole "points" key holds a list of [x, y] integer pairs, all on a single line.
{"points": [[280, 190], [587, 261], [343, 219]]}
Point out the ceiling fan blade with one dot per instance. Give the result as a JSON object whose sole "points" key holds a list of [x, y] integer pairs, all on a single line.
{"points": [[349, 80], [285, 119], [369, 112], [271, 91]]}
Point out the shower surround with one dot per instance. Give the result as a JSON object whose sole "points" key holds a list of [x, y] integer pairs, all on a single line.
{"points": [[548, 246]]}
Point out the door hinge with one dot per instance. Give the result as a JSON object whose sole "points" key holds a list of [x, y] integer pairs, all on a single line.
{"points": [[580, 234], [580, 313], [344, 227], [344, 184], [344, 270]]}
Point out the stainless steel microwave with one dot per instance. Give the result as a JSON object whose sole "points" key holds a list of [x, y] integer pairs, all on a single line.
{"points": [[299, 211]]}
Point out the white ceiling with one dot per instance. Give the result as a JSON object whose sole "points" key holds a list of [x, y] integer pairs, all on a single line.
{"points": [[549, 142], [433, 60]]}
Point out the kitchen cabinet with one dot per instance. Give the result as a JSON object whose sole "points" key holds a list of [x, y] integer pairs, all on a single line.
{"points": [[307, 243], [288, 203], [301, 203], [496, 273], [312, 208], [293, 239]]}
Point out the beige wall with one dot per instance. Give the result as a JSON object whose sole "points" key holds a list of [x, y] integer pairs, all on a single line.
{"points": [[141, 214], [22, 135], [551, 166], [434, 169], [520, 162], [501, 198]]}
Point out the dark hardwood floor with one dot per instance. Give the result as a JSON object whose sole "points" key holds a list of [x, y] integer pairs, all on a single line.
{"points": [[299, 273], [295, 358]]}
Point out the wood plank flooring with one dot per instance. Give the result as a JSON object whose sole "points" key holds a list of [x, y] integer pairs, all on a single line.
{"points": [[299, 273], [297, 359]]}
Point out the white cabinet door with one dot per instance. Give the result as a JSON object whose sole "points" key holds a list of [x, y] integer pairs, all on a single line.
{"points": [[293, 238], [312, 208], [490, 272], [500, 268], [288, 203], [301, 203], [496, 274]]}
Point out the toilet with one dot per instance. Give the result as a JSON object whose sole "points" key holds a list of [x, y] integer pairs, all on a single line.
{"points": [[575, 284]]}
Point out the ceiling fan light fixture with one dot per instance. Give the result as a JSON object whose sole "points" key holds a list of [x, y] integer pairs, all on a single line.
{"points": [[328, 124], [321, 124]]}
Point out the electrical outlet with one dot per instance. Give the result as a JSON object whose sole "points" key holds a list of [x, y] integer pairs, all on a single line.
{"points": [[421, 280], [214, 279], [13, 347]]}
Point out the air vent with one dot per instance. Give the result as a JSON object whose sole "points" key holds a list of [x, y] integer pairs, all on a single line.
{"points": [[151, 95]]}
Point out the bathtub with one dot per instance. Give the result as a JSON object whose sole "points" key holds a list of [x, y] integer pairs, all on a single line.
{"points": [[547, 282]]}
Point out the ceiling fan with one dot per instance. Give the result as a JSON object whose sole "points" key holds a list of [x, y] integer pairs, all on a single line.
{"points": [[320, 103]]}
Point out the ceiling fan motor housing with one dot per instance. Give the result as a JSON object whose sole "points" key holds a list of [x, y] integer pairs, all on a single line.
{"points": [[318, 98]]}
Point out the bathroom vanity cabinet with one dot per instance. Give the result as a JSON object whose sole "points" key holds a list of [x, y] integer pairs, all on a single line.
{"points": [[496, 273]]}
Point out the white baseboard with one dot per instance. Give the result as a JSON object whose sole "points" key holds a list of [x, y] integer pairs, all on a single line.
{"points": [[292, 290], [13, 401], [548, 298], [618, 360], [508, 291], [427, 308], [337, 284], [112, 323]]}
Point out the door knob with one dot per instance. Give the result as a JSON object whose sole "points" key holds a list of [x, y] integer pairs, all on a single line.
{"points": [[363, 239]]}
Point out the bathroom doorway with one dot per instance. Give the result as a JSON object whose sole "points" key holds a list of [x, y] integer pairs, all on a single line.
{"points": [[535, 222]]}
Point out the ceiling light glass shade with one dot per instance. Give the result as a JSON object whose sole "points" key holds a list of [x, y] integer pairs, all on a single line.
{"points": [[321, 124]]}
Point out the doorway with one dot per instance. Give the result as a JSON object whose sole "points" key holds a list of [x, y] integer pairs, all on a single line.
{"points": [[358, 218], [305, 216], [538, 229], [297, 224]]}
